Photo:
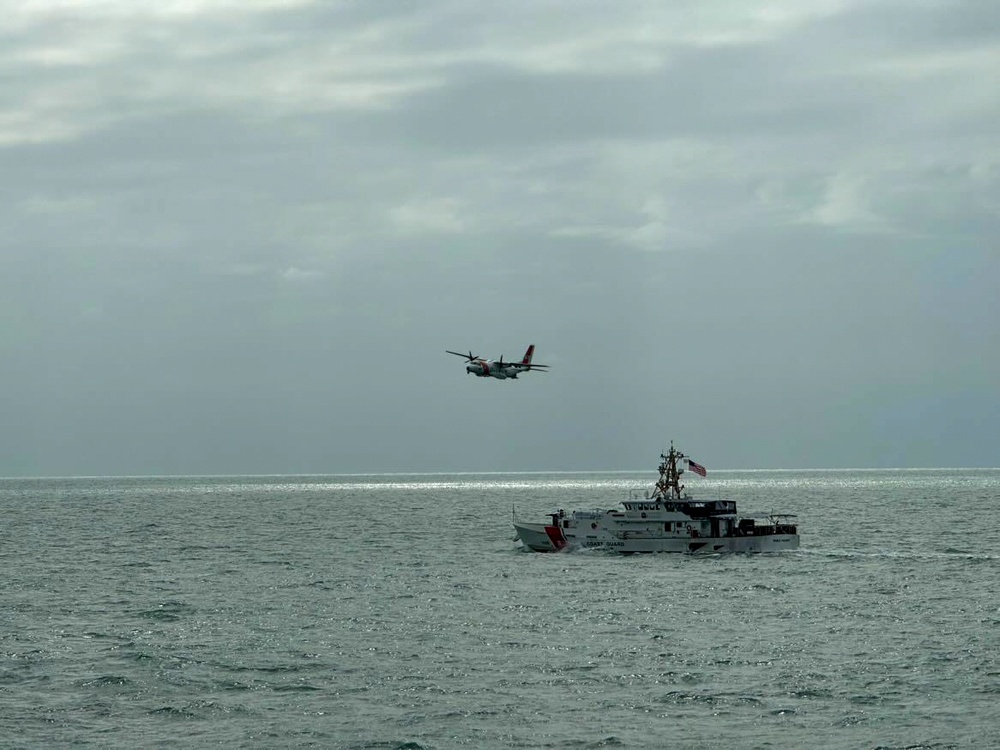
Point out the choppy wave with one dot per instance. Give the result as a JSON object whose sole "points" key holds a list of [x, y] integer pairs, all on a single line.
{"points": [[397, 612]]}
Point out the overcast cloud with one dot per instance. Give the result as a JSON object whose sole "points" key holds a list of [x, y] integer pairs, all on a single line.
{"points": [[239, 236]]}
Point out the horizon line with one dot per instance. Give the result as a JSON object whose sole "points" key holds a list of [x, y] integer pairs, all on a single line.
{"points": [[484, 473]]}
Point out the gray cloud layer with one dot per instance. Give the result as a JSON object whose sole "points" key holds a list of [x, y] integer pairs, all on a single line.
{"points": [[238, 239]]}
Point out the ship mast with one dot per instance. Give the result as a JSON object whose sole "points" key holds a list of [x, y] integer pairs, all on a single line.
{"points": [[668, 486]]}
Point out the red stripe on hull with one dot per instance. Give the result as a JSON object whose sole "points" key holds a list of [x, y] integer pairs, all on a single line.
{"points": [[556, 536]]}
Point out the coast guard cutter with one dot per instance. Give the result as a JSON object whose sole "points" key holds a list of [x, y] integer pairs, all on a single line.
{"points": [[665, 520]]}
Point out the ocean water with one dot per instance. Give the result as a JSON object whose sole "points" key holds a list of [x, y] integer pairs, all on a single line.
{"points": [[397, 612]]}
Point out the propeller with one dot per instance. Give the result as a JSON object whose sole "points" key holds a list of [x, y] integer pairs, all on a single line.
{"points": [[470, 356]]}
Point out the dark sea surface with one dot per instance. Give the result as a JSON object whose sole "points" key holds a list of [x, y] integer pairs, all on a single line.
{"points": [[397, 612]]}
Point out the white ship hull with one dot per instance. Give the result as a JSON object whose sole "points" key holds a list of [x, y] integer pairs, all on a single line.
{"points": [[535, 538]]}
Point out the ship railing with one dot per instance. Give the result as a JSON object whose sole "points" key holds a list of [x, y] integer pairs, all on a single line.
{"points": [[785, 523], [775, 524]]}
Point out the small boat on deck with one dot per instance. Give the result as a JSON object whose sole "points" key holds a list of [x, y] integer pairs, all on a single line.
{"points": [[665, 520]]}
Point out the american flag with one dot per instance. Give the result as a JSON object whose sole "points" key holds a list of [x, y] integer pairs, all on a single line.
{"points": [[696, 467]]}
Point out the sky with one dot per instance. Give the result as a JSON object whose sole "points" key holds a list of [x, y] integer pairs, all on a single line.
{"points": [[238, 237]]}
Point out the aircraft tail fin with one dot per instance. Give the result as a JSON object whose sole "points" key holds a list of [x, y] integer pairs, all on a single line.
{"points": [[528, 355]]}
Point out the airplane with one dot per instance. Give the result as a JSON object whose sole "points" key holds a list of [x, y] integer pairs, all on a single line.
{"points": [[487, 368]]}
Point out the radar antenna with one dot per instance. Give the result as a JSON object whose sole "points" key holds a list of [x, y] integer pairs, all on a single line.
{"points": [[668, 486]]}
